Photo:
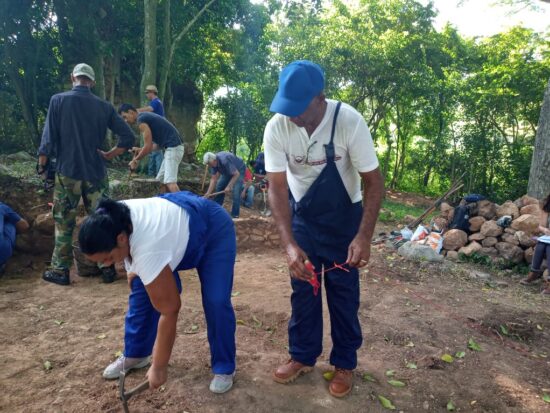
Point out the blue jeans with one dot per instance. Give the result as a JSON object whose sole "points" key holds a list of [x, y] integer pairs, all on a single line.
{"points": [[236, 196], [248, 200], [155, 159]]}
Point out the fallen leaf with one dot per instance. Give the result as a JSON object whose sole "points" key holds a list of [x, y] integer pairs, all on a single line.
{"points": [[447, 358], [235, 293], [460, 354], [102, 336], [47, 365], [411, 366], [503, 330], [546, 398], [386, 403], [396, 383], [256, 321], [390, 373], [118, 354], [41, 307], [241, 322], [539, 327], [409, 344], [450, 406], [472, 345], [58, 322], [328, 375], [368, 377]]}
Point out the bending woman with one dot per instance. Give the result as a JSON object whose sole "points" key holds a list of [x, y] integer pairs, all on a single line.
{"points": [[542, 248], [157, 237]]}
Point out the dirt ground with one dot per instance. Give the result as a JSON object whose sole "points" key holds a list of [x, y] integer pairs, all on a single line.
{"points": [[56, 341]]}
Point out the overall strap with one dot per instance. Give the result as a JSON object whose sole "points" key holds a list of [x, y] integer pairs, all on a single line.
{"points": [[329, 149]]}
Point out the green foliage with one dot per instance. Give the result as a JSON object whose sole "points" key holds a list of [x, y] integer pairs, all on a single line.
{"points": [[437, 104], [395, 212]]}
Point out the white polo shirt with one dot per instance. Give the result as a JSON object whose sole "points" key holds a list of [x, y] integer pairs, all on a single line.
{"points": [[289, 148], [160, 234]]}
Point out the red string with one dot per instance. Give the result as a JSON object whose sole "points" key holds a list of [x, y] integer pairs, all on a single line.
{"points": [[314, 281]]}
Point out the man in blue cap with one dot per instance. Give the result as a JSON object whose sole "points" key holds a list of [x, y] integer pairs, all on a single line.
{"points": [[321, 149]]}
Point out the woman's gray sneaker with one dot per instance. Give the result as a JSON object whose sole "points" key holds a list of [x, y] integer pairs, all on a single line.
{"points": [[124, 363], [221, 383]]}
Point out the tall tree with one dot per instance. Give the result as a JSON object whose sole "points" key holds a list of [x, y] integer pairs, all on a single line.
{"points": [[539, 176]]}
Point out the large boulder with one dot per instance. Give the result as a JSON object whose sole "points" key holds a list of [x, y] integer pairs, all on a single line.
{"points": [[488, 252], [471, 248], [526, 200], [454, 239], [478, 236], [508, 208], [452, 255], [486, 209], [447, 211], [476, 223], [526, 223], [44, 223], [441, 223], [489, 242], [510, 252], [531, 209], [510, 239], [491, 229], [525, 239], [418, 252]]}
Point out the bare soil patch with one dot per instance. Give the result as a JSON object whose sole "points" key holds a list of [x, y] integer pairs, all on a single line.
{"points": [[411, 314]]}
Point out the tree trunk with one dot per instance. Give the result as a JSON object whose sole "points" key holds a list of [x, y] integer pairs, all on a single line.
{"points": [[187, 106], [166, 45], [172, 50], [149, 45], [539, 176]]}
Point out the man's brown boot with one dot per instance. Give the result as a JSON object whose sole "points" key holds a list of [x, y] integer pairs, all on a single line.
{"points": [[290, 371], [545, 290], [531, 277], [342, 382]]}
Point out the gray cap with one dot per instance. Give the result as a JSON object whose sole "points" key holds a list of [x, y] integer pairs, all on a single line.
{"points": [[82, 69]]}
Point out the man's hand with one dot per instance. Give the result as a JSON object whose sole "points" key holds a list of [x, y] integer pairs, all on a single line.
{"points": [[133, 164], [134, 150], [298, 263], [358, 252], [157, 376], [228, 189]]}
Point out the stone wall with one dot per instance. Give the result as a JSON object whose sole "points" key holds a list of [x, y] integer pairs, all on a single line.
{"points": [[512, 243]]}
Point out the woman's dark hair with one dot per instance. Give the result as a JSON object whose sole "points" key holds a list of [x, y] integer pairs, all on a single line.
{"points": [[99, 231], [546, 204]]}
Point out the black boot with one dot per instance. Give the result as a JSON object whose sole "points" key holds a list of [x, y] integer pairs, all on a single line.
{"points": [[57, 277], [108, 274]]}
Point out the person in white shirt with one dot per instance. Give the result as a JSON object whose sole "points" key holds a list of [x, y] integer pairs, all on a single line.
{"points": [[321, 150], [156, 238]]}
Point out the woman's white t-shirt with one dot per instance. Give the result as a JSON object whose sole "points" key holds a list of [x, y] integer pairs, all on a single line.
{"points": [[289, 148], [160, 234]]}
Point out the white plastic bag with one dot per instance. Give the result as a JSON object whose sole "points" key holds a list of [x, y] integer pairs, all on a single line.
{"points": [[420, 233]]}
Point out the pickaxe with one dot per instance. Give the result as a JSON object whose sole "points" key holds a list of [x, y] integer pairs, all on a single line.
{"points": [[126, 395]]}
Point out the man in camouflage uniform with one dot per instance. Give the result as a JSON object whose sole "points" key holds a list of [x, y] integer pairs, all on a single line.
{"points": [[75, 130]]}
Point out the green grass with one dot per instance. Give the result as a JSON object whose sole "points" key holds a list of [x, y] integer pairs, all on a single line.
{"points": [[395, 212]]}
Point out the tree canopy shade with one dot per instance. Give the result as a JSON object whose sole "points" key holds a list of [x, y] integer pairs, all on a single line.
{"points": [[437, 103]]}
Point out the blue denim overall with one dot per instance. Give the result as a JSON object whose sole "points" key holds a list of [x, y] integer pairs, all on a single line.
{"points": [[211, 250], [324, 223]]}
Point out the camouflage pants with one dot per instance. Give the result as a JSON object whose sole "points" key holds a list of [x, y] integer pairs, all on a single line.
{"points": [[66, 196]]}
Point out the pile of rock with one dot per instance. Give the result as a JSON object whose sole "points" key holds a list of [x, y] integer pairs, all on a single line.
{"points": [[513, 244]]}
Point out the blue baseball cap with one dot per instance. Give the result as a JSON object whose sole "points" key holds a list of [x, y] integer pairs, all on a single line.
{"points": [[299, 83]]}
